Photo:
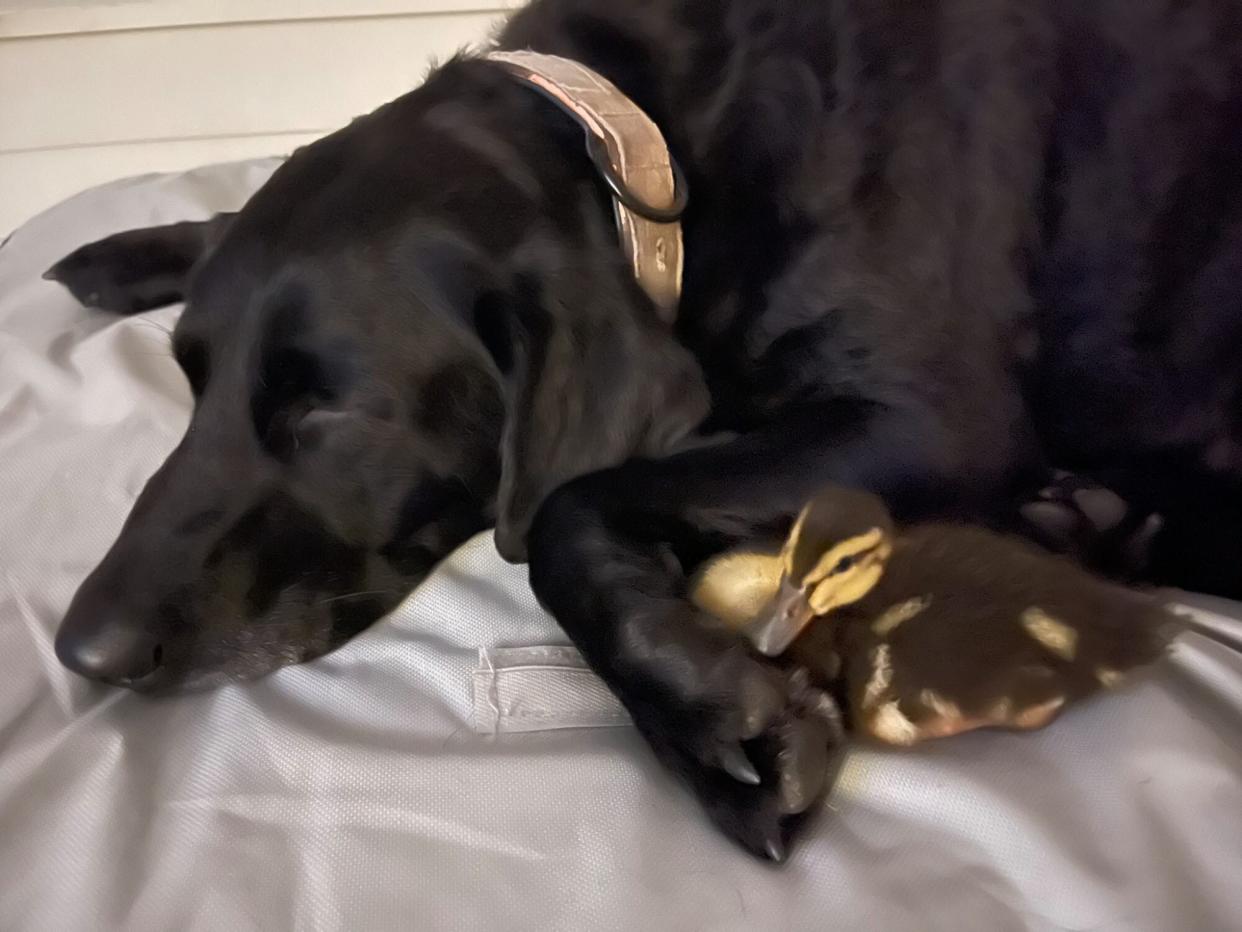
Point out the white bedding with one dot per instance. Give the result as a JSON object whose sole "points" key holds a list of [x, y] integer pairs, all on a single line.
{"points": [[360, 792]]}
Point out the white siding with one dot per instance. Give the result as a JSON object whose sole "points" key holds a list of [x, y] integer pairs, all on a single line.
{"points": [[90, 93]]}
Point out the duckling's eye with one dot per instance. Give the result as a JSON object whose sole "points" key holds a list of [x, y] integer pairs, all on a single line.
{"points": [[844, 564]]}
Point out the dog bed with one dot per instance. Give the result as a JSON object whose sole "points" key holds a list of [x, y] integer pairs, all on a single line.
{"points": [[456, 766]]}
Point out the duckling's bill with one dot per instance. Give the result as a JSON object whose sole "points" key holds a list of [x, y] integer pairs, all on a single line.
{"points": [[782, 620], [845, 574]]}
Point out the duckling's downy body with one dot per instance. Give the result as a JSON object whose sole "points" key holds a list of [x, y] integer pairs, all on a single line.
{"points": [[934, 629]]}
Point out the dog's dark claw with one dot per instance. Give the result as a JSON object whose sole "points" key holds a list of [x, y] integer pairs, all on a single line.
{"points": [[775, 850], [1137, 550], [756, 742], [737, 765], [799, 680]]}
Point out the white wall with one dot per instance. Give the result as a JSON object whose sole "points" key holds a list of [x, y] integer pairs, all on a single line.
{"points": [[91, 93]]}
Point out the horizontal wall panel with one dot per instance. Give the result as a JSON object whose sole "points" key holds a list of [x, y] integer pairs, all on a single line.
{"points": [[23, 18], [95, 92], [33, 181], [214, 80]]}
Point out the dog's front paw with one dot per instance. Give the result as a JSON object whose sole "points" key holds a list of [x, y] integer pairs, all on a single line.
{"points": [[758, 744], [1092, 524]]}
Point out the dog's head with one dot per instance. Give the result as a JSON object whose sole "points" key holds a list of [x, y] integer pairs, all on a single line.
{"points": [[381, 367], [344, 437]]}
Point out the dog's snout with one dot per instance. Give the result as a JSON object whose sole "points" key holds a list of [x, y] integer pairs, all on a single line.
{"points": [[100, 645]]}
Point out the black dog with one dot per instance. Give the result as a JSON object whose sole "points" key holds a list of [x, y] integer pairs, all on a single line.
{"points": [[931, 247]]}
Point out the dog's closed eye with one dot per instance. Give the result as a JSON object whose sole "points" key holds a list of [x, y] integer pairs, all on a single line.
{"points": [[310, 429], [291, 383]]}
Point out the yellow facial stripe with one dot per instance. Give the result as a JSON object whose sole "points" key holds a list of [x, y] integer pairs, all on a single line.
{"points": [[846, 588], [853, 547]]}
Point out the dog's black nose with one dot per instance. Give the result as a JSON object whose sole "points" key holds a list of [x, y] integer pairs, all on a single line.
{"points": [[108, 650]]}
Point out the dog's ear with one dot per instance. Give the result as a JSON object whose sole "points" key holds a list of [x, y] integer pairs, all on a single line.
{"points": [[139, 269], [591, 375], [588, 387]]}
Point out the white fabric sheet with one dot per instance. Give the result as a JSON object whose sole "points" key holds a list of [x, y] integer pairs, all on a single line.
{"points": [[357, 792]]}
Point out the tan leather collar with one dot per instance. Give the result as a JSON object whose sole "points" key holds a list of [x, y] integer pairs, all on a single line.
{"points": [[648, 193]]}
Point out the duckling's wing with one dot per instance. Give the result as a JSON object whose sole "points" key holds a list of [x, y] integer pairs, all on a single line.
{"points": [[997, 627], [1000, 586]]}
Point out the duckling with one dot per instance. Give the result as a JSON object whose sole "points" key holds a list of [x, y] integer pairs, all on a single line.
{"points": [[933, 629]]}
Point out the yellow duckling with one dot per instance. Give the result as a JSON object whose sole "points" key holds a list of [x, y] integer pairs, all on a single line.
{"points": [[933, 629]]}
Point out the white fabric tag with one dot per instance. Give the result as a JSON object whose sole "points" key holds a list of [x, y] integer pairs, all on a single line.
{"points": [[519, 689]]}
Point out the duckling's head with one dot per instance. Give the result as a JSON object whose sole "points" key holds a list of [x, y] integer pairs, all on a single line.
{"points": [[834, 555]]}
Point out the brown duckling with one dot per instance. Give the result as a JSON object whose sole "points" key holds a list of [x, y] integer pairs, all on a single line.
{"points": [[933, 629]]}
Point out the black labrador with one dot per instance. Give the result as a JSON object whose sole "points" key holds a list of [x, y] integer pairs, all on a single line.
{"points": [[932, 248]]}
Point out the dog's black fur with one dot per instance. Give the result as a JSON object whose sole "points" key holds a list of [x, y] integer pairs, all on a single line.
{"points": [[932, 247]]}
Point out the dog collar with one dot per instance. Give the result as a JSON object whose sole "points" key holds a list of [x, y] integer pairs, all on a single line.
{"points": [[630, 154]]}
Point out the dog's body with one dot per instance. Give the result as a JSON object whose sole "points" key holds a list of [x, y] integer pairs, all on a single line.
{"points": [[931, 248]]}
